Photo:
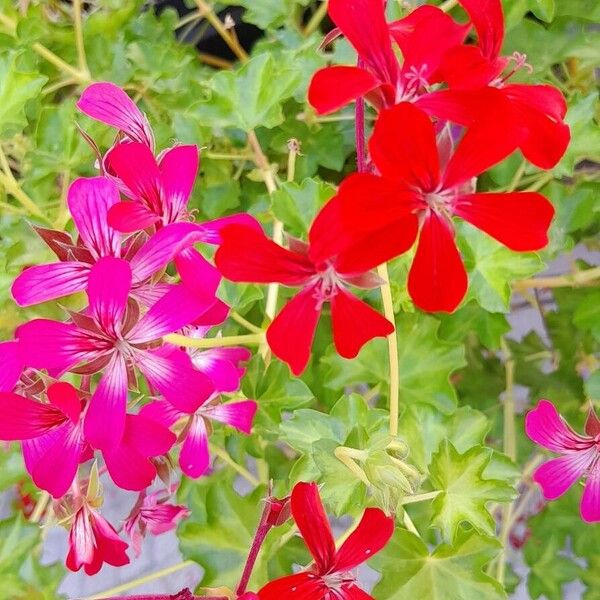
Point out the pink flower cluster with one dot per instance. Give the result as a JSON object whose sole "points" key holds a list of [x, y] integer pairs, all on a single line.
{"points": [[68, 389]]}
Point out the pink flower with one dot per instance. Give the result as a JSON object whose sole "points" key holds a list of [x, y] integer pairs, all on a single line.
{"points": [[580, 456], [194, 458], [154, 514], [54, 443], [12, 366], [94, 541], [112, 337], [89, 201]]}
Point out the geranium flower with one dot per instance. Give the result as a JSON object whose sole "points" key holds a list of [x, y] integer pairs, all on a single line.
{"points": [[380, 77], [580, 456], [331, 575], [12, 365], [93, 541], [194, 458], [532, 114], [155, 514], [112, 337], [89, 200], [404, 151], [54, 443], [247, 255]]}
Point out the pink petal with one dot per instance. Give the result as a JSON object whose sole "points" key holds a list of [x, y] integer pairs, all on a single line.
{"points": [[437, 280], [556, 476], [179, 168], [355, 323], [105, 418], [590, 501], [129, 469], [53, 345], [236, 414], [109, 300], [194, 458], [162, 248], [64, 396], [197, 273], [134, 164], [215, 315], [370, 536], [24, 419], [175, 378], [220, 364], [546, 427], [291, 334], [163, 412], [313, 524], [176, 309], [47, 282], [89, 201], [146, 436], [12, 366], [110, 546], [131, 216], [108, 103], [57, 466]]}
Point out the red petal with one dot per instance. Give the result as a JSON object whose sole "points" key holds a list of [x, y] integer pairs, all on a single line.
{"points": [[334, 87], [488, 20], [403, 147], [64, 396], [364, 25], [24, 419], [310, 517], [519, 220], [248, 255], [302, 586], [179, 168], [370, 536], [355, 323], [437, 280], [290, 335]]}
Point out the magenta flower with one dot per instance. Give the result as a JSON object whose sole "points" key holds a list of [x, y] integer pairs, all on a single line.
{"points": [[221, 365], [89, 202], [194, 458], [112, 337], [12, 366], [94, 541], [54, 444], [155, 514], [580, 456]]}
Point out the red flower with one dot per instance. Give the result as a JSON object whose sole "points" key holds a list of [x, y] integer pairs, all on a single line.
{"points": [[379, 76], [404, 150], [247, 255], [331, 574]]}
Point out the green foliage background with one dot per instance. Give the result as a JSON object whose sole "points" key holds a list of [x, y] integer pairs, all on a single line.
{"points": [[452, 368]]}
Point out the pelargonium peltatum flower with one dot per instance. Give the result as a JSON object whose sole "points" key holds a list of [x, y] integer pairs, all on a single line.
{"points": [[580, 456], [153, 513], [89, 201], [112, 337], [194, 458], [93, 541], [54, 443]]}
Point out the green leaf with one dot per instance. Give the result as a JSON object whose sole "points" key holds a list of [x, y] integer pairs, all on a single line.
{"points": [[17, 87], [269, 13], [297, 204], [543, 9], [492, 267], [250, 97], [425, 363], [465, 490], [450, 572]]}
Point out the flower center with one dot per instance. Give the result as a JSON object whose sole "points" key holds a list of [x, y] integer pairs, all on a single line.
{"points": [[335, 581], [413, 83], [327, 285], [520, 62]]}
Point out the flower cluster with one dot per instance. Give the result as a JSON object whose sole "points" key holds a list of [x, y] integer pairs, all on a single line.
{"points": [[69, 388]]}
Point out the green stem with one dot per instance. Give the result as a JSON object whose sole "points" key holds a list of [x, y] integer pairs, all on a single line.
{"points": [[125, 587], [316, 19], [218, 342], [244, 322], [421, 497], [78, 27], [226, 458]]}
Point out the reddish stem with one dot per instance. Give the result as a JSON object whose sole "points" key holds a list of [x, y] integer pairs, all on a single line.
{"points": [[259, 537], [361, 154]]}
